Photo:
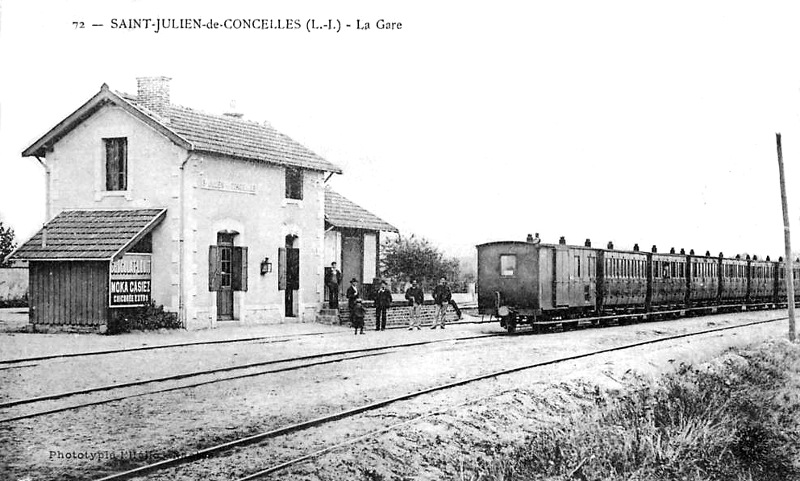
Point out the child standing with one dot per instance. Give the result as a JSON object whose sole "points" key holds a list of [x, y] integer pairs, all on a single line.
{"points": [[358, 316]]}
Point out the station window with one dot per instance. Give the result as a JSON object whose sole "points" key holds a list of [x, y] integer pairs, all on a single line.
{"points": [[116, 163], [294, 183], [508, 265]]}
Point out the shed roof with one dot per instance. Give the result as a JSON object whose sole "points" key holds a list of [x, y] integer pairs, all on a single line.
{"points": [[196, 131], [85, 235], [343, 212]]}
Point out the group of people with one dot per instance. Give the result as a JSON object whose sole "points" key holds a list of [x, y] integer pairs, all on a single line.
{"points": [[442, 298]]}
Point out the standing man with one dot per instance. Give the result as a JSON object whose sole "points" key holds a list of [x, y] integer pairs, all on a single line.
{"points": [[441, 297], [332, 281], [415, 297], [352, 296], [383, 299]]}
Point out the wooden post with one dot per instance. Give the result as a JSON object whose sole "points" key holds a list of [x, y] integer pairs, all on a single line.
{"points": [[787, 242]]}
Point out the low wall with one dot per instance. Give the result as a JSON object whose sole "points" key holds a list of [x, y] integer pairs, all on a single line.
{"points": [[13, 286], [397, 315]]}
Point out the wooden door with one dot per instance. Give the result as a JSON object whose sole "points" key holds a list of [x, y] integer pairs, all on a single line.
{"points": [[352, 258], [292, 279], [225, 292]]}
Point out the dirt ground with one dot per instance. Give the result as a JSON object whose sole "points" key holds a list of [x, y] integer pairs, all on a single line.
{"points": [[475, 418]]}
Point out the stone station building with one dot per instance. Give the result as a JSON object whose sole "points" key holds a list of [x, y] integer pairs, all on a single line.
{"points": [[218, 218]]}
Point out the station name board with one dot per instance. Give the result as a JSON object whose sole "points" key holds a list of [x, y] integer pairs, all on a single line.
{"points": [[228, 186], [129, 281]]}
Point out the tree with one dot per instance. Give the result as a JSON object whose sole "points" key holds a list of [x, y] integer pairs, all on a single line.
{"points": [[406, 258], [7, 244]]}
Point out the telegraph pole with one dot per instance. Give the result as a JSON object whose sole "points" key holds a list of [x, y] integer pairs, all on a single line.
{"points": [[788, 243]]}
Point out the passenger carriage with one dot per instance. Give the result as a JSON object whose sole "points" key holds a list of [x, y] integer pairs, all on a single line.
{"points": [[703, 280], [733, 274], [762, 286], [782, 297], [522, 281], [669, 286], [624, 280]]}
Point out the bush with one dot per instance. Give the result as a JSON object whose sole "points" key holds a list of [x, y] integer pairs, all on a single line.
{"points": [[146, 318], [736, 420]]}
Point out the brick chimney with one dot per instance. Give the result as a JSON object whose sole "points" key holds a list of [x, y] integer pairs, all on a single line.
{"points": [[153, 94]]}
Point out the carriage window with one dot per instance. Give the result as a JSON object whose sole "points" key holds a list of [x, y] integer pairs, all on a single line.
{"points": [[577, 266], [508, 265]]}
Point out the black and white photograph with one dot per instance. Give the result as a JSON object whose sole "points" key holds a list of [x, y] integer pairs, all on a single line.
{"points": [[395, 241]]}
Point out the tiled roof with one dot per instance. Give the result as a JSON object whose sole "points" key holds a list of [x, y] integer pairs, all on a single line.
{"points": [[239, 138], [90, 234], [342, 212], [198, 131]]}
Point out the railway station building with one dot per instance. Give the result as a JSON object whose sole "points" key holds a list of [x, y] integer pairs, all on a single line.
{"points": [[217, 218]]}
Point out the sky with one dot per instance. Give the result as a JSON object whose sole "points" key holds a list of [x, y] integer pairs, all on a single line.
{"points": [[624, 121]]}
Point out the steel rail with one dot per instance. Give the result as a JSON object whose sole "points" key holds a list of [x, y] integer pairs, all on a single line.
{"points": [[281, 338], [278, 338], [109, 387], [213, 450], [185, 386]]}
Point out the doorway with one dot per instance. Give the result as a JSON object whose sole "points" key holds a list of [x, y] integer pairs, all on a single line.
{"points": [[225, 292], [292, 275], [352, 257]]}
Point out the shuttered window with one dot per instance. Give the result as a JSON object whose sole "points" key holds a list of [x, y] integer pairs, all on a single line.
{"points": [[239, 268], [116, 163], [281, 269]]}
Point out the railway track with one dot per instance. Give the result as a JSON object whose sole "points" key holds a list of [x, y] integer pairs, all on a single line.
{"points": [[293, 428], [257, 339], [196, 374], [279, 338], [289, 337], [348, 354]]}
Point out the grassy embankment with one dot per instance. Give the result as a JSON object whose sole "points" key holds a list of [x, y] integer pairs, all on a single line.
{"points": [[734, 419]]}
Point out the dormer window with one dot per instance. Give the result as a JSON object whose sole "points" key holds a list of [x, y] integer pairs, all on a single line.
{"points": [[294, 183], [116, 163]]}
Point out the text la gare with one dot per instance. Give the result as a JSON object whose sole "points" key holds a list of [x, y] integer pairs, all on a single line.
{"points": [[380, 25]]}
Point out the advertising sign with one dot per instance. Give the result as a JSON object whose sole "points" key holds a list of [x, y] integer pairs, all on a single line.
{"points": [[129, 281]]}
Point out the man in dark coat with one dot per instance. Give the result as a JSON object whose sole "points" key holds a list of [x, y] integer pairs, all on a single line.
{"points": [[441, 297], [383, 299], [415, 297], [352, 294], [332, 281]]}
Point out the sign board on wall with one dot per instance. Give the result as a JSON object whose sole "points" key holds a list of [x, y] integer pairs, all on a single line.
{"points": [[129, 281]]}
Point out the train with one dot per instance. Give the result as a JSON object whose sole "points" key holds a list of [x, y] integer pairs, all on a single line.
{"points": [[547, 285]]}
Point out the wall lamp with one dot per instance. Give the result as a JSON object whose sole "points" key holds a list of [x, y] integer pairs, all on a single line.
{"points": [[266, 266]]}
